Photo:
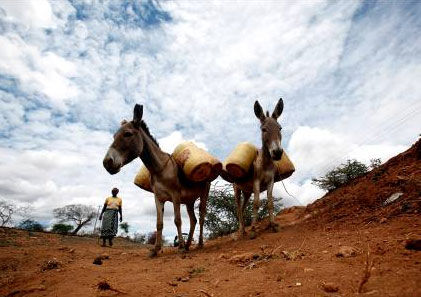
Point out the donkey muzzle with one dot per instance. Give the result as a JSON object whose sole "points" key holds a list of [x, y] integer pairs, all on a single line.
{"points": [[277, 154], [111, 163]]}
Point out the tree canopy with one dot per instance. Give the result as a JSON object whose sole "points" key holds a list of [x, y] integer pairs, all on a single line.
{"points": [[61, 228], [79, 214], [30, 225], [125, 227], [344, 173]]}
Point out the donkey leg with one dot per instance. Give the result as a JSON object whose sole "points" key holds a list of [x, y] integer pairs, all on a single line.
{"points": [[272, 225], [177, 221], [202, 213], [246, 199], [256, 204], [159, 226], [193, 221], [240, 217]]}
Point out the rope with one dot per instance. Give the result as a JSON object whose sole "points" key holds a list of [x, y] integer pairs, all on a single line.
{"points": [[291, 195]]}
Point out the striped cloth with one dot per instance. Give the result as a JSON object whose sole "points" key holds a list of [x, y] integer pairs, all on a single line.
{"points": [[109, 223]]}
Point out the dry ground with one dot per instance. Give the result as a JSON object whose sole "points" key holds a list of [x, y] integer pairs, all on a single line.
{"points": [[294, 262], [300, 260]]}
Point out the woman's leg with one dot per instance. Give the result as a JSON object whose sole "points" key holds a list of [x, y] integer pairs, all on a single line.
{"points": [[110, 240]]}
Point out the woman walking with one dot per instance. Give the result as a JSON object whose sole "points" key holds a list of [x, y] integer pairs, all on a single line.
{"points": [[112, 207]]}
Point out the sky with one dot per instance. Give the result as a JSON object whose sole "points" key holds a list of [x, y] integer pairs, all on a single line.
{"points": [[70, 71]]}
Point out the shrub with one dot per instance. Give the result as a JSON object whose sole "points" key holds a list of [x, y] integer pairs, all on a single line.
{"points": [[62, 228]]}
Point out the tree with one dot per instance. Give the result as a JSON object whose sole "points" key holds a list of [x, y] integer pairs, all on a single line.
{"points": [[151, 238], [30, 225], [374, 163], [61, 228], [79, 214], [7, 209], [343, 174], [125, 227], [221, 217]]}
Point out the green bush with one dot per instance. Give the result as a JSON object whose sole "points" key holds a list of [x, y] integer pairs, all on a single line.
{"points": [[221, 217], [30, 225], [344, 173], [62, 228]]}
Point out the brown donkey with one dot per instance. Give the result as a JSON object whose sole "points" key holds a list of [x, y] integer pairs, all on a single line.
{"points": [[264, 169], [168, 183]]}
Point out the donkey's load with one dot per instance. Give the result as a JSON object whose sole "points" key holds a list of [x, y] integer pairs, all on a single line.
{"points": [[197, 164], [143, 179], [285, 168], [239, 163]]}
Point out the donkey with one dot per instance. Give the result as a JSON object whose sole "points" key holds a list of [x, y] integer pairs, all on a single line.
{"points": [[168, 183], [264, 169]]}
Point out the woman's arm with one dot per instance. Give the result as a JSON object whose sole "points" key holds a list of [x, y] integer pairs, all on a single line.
{"points": [[120, 210], [102, 212]]}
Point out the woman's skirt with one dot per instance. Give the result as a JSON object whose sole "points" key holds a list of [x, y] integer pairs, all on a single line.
{"points": [[109, 223]]}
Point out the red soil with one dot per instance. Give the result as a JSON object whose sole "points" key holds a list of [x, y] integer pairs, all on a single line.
{"points": [[299, 260]]}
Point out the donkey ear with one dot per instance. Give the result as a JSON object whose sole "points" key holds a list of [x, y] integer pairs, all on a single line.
{"points": [[137, 115], [258, 111], [278, 109]]}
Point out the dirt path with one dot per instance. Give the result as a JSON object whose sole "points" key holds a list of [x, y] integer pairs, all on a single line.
{"points": [[294, 262]]}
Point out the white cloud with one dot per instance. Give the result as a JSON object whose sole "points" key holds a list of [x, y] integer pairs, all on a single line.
{"points": [[31, 13], [314, 151], [46, 73], [71, 72]]}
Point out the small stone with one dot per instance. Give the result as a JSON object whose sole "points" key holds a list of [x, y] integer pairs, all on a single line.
{"points": [[413, 244], [330, 287], [298, 284], [173, 284], [308, 269], [72, 251], [50, 264], [104, 256], [185, 279], [346, 252], [245, 257], [123, 254], [98, 260], [325, 252], [392, 198], [279, 278], [383, 220]]}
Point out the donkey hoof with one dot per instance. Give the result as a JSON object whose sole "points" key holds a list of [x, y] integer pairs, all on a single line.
{"points": [[274, 227], [153, 254], [252, 235], [182, 250], [200, 245]]}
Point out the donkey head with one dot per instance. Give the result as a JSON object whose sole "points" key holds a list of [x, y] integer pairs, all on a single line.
{"points": [[127, 144], [271, 130]]}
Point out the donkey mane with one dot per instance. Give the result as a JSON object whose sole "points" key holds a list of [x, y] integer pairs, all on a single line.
{"points": [[146, 130]]}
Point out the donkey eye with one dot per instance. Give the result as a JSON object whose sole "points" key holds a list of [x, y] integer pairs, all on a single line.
{"points": [[127, 134], [264, 130]]}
